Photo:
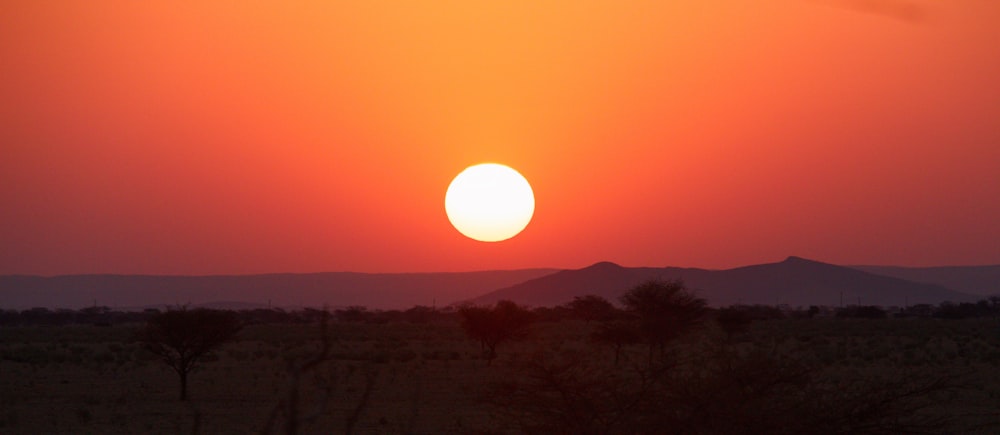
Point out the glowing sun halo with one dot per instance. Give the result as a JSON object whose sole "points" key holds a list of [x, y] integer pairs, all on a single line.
{"points": [[489, 202]]}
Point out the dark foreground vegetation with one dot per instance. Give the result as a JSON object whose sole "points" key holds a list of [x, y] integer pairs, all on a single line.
{"points": [[656, 361]]}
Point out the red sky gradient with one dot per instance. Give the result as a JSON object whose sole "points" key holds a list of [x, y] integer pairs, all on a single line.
{"points": [[244, 137]]}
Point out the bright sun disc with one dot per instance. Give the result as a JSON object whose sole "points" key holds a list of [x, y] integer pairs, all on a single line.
{"points": [[489, 202]]}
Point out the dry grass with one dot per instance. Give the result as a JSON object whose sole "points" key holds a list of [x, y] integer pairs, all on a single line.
{"points": [[427, 378]]}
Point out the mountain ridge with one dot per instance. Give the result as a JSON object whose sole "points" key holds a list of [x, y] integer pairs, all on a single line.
{"points": [[373, 290], [795, 281], [981, 280]]}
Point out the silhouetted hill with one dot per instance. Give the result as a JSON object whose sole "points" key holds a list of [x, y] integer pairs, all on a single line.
{"points": [[795, 281], [977, 280], [605, 279], [384, 291]]}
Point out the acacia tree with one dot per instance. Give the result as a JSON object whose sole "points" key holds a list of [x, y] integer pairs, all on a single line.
{"points": [[617, 333], [592, 308], [665, 311], [494, 325], [183, 338], [733, 321], [720, 390]]}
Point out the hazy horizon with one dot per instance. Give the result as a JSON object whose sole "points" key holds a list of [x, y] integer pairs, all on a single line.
{"points": [[795, 280], [411, 272]]}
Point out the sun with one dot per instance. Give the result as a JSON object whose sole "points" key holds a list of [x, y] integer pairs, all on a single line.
{"points": [[489, 202]]}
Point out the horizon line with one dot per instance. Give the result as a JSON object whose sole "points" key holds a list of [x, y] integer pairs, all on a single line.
{"points": [[226, 274]]}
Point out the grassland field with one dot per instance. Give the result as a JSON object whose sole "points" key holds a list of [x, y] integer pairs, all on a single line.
{"points": [[421, 378]]}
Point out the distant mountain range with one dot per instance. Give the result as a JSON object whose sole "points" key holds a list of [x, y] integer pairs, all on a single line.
{"points": [[333, 289], [977, 280], [794, 281]]}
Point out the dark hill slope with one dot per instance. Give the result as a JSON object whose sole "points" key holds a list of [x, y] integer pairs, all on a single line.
{"points": [[795, 281], [373, 290], [977, 280]]}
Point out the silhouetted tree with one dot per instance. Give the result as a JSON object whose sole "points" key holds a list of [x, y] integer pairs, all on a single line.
{"points": [[551, 314], [421, 314], [353, 313], [494, 325], [763, 312], [813, 311], [44, 316], [920, 310], [97, 315], [994, 304], [862, 312], [267, 315], [183, 338], [720, 390], [733, 321], [592, 308], [9, 317], [617, 333], [665, 310]]}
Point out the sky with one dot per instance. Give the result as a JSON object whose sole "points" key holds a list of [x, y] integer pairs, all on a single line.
{"points": [[222, 137]]}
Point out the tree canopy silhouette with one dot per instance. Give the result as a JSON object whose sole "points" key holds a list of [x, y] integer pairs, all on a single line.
{"points": [[183, 338], [617, 333], [665, 310], [733, 321], [592, 308], [494, 325]]}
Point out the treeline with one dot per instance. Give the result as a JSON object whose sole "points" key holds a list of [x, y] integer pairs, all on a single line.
{"points": [[678, 367], [587, 308], [986, 308], [661, 382]]}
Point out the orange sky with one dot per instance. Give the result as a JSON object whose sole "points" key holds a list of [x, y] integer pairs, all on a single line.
{"points": [[241, 137]]}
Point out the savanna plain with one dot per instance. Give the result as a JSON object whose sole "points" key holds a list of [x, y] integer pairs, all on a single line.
{"points": [[570, 369]]}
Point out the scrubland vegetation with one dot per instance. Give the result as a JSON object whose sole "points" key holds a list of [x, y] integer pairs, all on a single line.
{"points": [[655, 362]]}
